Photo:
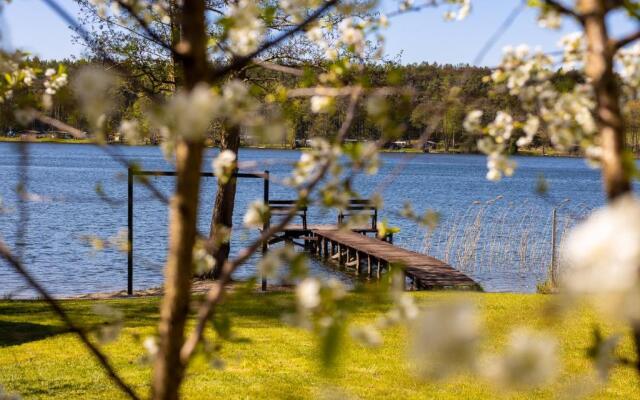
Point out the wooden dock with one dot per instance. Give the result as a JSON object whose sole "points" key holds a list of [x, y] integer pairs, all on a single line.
{"points": [[352, 247], [371, 256]]}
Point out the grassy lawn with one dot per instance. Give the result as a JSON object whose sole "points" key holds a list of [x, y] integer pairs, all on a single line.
{"points": [[39, 360]]}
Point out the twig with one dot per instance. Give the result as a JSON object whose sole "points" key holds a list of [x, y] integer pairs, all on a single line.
{"points": [[240, 62], [622, 42]]}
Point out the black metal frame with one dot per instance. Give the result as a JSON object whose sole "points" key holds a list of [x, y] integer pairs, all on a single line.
{"points": [[360, 205], [131, 172]]}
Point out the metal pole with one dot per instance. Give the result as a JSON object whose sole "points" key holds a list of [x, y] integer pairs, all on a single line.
{"points": [[553, 247], [130, 231], [266, 225]]}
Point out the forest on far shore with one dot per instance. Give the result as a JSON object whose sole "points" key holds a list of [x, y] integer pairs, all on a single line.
{"points": [[431, 105]]}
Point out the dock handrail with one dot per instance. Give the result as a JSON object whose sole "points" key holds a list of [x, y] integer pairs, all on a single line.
{"points": [[358, 207], [284, 207]]}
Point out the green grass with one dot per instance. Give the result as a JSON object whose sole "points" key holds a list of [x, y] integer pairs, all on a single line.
{"points": [[39, 360], [46, 140]]}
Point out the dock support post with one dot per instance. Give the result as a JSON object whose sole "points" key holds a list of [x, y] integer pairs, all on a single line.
{"points": [[130, 231], [325, 247], [357, 262], [340, 253], [265, 227], [378, 268], [369, 265]]}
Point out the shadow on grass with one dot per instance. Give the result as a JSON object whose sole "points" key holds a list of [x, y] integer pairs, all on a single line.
{"points": [[15, 333]]}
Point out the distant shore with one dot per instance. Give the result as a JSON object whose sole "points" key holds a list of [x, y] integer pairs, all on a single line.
{"points": [[534, 152]]}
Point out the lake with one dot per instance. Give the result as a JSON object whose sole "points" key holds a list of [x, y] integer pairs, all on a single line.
{"points": [[498, 233]]}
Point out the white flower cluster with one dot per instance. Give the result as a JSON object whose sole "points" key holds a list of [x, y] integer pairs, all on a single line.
{"points": [[494, 145], [549, 18], [602, 257], [529, 361], [54, 81], [317, 35], [129, 129], [224, 165], [14, 77], [574, 53], [462, 10], [446, 340], [147, 10], [321, 152], [93, 86], [275, 258], [567, 115], [256, 215], [352, 35], [519, 68], [247, 28], [321, 104], [310, 292], [203, 261], [628, 59], [298, 9], [189, 115]]}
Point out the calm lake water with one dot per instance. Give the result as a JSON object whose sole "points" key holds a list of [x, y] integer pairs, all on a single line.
{"points": [[503, 242]]}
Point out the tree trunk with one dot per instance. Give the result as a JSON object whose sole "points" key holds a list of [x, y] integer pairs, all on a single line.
{"points": [[222, 218], [599, 69], [178, 75], [168, 369]]}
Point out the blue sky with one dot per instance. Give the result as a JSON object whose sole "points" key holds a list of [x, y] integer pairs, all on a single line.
{"points": [[423, 36]]}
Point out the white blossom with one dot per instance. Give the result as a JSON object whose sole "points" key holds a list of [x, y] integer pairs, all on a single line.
{"points": [[256, 215], [574, 48], [247, 29], [321, 104], [308, 293], [445, 340], [497, 165], [473, 120], [150, 344], [203, 261], [603, 253], [530, 129], [367, 335], [501, 127], [461, 12], [224, 165], [629, 68], [529, 361], [351, 34], [549, 18], [130, 130], [189, 114], [406, 4], [331, 54]]}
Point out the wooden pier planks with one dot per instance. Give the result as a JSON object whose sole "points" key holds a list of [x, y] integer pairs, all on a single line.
{"points": [[425, 271]]}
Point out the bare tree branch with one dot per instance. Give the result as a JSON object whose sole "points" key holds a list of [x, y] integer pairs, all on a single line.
{"points": [[280, 68], [624, 41], [562, 9], [240, 62], [145, 26]]}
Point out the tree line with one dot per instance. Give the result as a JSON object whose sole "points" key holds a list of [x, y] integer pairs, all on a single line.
{"points": [[431, 104]]}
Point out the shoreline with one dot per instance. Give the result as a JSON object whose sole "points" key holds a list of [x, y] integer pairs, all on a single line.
{"points": [[198, 287], [536, 152]]}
